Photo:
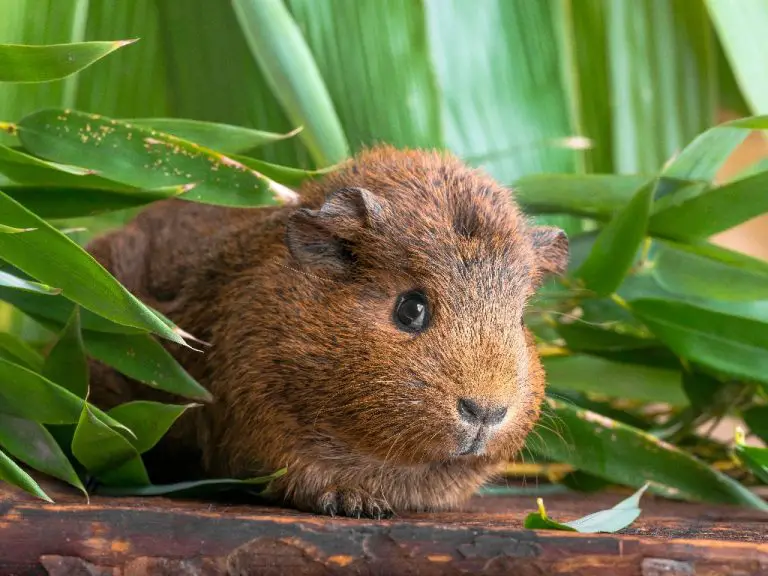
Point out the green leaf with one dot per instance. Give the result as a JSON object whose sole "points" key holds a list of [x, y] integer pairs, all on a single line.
{"points": [[514, 124], [18, 165], [31, 443], [756, 459], [142, 358], [614, 379], [147, 159], [57, 202], [599, 445], [20, 352], [709, 271], [726, 342], [702, 389], [612, 520], [541, 521], [26, 394], [222, 137], [105, 453], [662, 79], [11, 473], [702, 158], [23, 63], [149, 421], [278, 46], [8, 280], [740, 28], [597, 196], [756, 418], [714, 210], [198, 488], [615, 249], [52, 258], [66, 364], [365, 44]]}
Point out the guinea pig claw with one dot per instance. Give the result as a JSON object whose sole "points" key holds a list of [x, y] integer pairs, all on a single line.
{"points": [[353, 504]]}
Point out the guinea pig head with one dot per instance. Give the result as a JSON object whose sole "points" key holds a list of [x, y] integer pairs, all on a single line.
{"points": [[416, 349]]}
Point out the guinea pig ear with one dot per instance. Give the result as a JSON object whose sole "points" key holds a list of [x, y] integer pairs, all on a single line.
{"points": [[322, 239], [551, 246]]}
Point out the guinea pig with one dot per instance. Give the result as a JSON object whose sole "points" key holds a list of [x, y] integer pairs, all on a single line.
{"points": [[370, 339]]}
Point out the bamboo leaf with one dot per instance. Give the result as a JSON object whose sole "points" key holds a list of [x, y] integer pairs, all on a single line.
{"points": [[599, 445], [10, 281], [24, 63], [216, 136], [740, 26], [54, 259], [142, 358], [11, 473], [66, 364], [723, 341], [18, 351], [615, 249], [148, 159], [149, 421], [290, 70], [756, 459], [105, 453], [31, 443]]}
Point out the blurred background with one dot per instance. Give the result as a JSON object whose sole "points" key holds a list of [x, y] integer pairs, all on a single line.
{"points": [[515, 86]]}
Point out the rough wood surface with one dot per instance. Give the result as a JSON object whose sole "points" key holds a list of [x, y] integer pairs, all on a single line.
{"points": [[134, 536]]}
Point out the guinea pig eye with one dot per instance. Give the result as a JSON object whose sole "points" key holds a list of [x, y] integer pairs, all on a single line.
{"points": [[411, 313]]}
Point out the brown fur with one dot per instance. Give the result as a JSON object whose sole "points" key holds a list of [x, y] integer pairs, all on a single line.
{"points": [[306, 364]]}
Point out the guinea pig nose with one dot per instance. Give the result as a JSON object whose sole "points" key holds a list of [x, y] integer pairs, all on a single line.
{"points": [[472, 412]]}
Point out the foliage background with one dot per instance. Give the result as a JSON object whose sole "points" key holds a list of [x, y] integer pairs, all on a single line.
{"points": [[557, 87]]}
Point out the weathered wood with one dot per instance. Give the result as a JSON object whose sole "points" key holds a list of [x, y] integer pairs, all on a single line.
{"points": [[134, 536]]}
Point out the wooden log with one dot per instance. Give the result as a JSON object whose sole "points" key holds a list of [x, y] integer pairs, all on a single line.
{"points": [[133, 536]]}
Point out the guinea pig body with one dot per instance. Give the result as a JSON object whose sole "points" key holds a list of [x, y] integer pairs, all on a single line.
{"points": [[369, 340]]}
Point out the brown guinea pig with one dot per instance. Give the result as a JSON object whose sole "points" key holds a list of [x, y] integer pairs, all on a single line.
{"points": [[370, 340]]}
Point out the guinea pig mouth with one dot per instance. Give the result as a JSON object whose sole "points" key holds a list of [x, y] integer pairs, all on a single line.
{"points": [[474, 444]]}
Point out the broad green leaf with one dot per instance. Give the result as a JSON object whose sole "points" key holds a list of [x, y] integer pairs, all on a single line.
{"points": [[17, 165], [541, 521], [142, 358], [662, 79], [740, 26], [105, 453], [19, 351], [57, 202], [729, 343], [756, 418], [53, 311], [703, 157], [199, 488], [613, 519], [584, 373], [598, 196], [615, 249], [146, 158], [149, 421], [27, 394], [277, 44], [11, 473], [66, 364], [598, 445], [709, 271], [24, 63], [222, 137], [581, 34], [54, 259], [521, 111], [714, 210], [31, 443], [365, 44], [756, 459], [8, 280]]}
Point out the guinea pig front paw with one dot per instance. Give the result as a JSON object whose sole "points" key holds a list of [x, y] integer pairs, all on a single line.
{"points": [[354, 504]]}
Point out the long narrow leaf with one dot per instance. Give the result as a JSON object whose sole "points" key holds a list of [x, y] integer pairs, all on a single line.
{"points": [[66, 364], [11, 473]]}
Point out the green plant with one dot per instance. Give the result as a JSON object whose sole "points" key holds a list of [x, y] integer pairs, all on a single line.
{"points": [[598, 112]]}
